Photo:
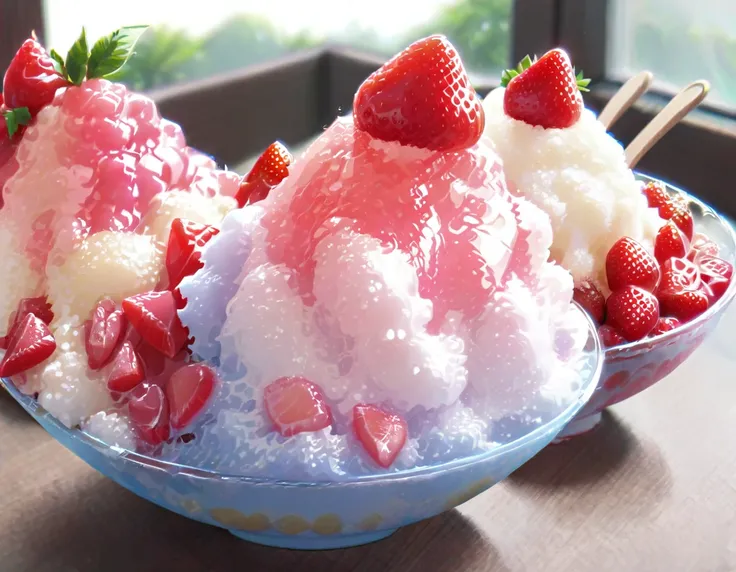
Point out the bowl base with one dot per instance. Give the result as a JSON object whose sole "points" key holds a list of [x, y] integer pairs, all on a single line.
{"points": [[578, 426], [313, 542]]}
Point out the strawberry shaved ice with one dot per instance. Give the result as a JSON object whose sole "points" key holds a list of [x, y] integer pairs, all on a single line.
{"points": [[382, 303]]}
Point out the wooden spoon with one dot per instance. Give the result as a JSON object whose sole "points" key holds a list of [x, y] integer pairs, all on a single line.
{"points": [[624, 98], [680, 105]]}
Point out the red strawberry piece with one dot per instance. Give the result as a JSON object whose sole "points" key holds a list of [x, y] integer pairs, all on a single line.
{"points": [[38, 306], [268, 171], [716, 273], [154, 317], [633, 312], [103, 333], [610, 336], [184, 249], [31, 79], [544, 92], [187, 391], [590, 298], [296, 405], [31, 344], [656, 194], [669, 207], [629, 264], [701, 245], [670, 242], [421, 97], [681, 293], [666, 324], [127, 370], [381, 433], [149, 412]]}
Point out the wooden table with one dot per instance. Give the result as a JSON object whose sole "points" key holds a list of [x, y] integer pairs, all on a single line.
{"points": [[653, 489]]}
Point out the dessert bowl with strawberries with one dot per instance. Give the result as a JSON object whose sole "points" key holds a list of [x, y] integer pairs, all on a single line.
{"points": [[309, 356], [652, 265]]}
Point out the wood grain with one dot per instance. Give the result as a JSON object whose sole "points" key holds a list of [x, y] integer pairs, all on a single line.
{"points": [[653, 489]]}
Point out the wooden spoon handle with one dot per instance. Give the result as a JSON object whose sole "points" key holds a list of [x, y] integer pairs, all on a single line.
{"points": [[680, 105], [624, 98]]}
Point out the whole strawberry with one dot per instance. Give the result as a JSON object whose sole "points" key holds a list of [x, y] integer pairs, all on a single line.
{"points": [[591, 299], [544, 92], [31, 79], [633, 312], [421, 97], [629, 264]]}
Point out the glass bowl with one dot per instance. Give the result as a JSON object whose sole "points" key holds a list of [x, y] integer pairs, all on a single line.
{"points": [[324, 514], [631, 368]]}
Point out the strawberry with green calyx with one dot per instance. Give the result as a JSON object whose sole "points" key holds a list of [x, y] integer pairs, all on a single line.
{"points": [[34, 76], [544, 91]]}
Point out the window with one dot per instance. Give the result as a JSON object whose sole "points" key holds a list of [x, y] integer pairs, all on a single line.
{"points": [[185, 44], [678, 40]]}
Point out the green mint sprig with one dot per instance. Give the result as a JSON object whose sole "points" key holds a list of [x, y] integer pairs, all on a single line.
{"points": [[14, 118]]}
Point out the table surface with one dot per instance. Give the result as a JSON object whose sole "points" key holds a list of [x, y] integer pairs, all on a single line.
{"points": [[652, 489]]}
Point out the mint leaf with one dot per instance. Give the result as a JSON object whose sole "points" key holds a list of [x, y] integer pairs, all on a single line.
{"points": [[110, 53], [76, 60], [15, 118], [58, 62]]}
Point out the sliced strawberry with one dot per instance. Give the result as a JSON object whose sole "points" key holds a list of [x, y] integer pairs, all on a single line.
{"points": [[679, 213], [184, 250], [154, 317], [269, 170], [701, 245], [681, 291], [31, 79], [716, 273], [103, 333], [381, 433], [610, 336], [633, 311], [629, 264], [149, 412], [656, 194], [421, 97], [31, 344], [544, 92], [188, 391], [38, 306], [685, 305], [127, 370], [590, 298], [670, 242], [666, 324], [296, 405]]}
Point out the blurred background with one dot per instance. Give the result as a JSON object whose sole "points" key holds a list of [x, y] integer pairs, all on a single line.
{"points": [[679, 40]]}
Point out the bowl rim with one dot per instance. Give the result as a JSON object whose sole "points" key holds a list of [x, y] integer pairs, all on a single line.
{"points": [[615, 352], [32, 406]]}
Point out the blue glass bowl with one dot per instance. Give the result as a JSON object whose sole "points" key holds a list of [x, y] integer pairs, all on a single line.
{"points": [[317, 515], [631, 368]]}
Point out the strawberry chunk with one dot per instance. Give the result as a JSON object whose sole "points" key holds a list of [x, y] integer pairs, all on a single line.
{"points": [[38, 306], [681, 292], [269, 170], [127, 371], [656, 194], [149, 412], [685, 305], [544, 92], [31, 79], [629, 264], [633, 311], [154, 317], [669, 208], [187, 392], [381, 433], [31, 344], [184, 249], [665, 324], [716, 273], [296, 405], [610, 336], [670, 242], [103, 333], [590, 298], [421, 97], [701, 245]]}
